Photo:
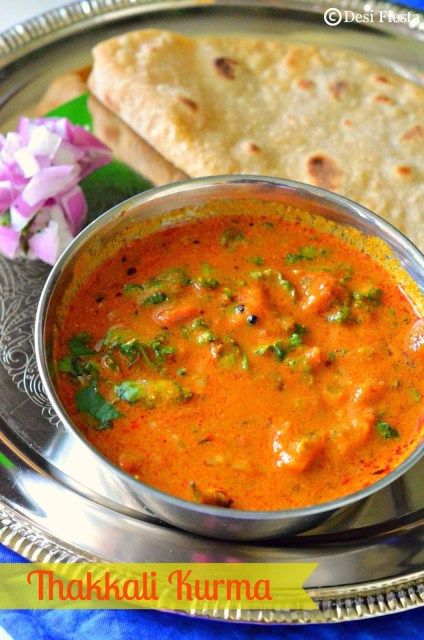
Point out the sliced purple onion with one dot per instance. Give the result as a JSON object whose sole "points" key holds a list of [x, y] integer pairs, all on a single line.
{"points": [[21, 213], [27, 162], [43, 142], [49, 182], [50, 242], [9, 242], [74, 205], [7, 195], [41, 166], [67, 153]]}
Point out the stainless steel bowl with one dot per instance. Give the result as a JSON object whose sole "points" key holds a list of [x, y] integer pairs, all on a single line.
{"points": [[152, 205]]}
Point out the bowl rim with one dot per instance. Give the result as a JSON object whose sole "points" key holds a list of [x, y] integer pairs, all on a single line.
{"points": [[352, 208]]}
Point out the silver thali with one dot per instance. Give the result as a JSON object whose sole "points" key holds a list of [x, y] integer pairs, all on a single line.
{"points": [[56, 502]]}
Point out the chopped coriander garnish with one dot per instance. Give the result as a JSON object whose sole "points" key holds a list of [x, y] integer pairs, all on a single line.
{"points": [[300, 329], [304, 253], [256, 275], [257, 260], [79, 368], [205, 337], [133, 286], [295, 340], [332, 355], [228, 293], [287, 285], [129, 391], [386, 430], [279, 351], [160, 349], [207, 283], [155, 298], [276, 347], [231, 235], [340, 316], [167, 283], [78, 345], [206, 269], [131, 346], [89, 400], [373, 296], [415, 395], [293, 363], [198, 323], [151, 392]]}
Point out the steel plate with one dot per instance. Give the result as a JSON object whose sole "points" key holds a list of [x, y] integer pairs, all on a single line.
{"points": [[56, 502]]}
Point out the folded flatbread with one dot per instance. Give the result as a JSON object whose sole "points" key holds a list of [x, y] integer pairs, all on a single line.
{"points": [[128, 147], [125, 144], [234, 104]]}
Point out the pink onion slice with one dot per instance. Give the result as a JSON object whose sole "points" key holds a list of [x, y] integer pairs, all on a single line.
{"points": [[49, 182], [43, 142], [49, 243], [9, 242], [7, 195], [41, 166], [74, 206]]}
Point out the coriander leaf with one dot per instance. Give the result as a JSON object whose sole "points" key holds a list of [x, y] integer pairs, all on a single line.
{"points": [[415, 395], [279, 351], [78, 345], [79, 368], [206, 269], [300, 329], [205, 337], [65, 365], [133, 286], [386, 430], [372, 296], [304, 253], [257, 260], [230, 236], [198, 323], [308, 253], [277, 347], [129, 391], [155, 298], [287, 285], [160, 349], [295, 340], [89, 400], [340, 316], [207, 283], [151, 392]]}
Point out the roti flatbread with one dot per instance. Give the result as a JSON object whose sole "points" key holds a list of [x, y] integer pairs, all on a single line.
{"points": [[234, 104], [130, 148]]}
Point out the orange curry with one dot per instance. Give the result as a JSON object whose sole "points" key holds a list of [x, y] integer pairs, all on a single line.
{"points": [[249, 362]]}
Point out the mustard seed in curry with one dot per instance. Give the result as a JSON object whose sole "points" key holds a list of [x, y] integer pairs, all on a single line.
{"points": [[245, 361]]}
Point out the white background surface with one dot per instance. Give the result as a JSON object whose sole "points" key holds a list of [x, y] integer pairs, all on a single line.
{"points": [[14, 11]]}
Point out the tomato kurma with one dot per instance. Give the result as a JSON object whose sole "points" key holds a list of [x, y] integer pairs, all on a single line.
{"points": [[250, 362]]}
